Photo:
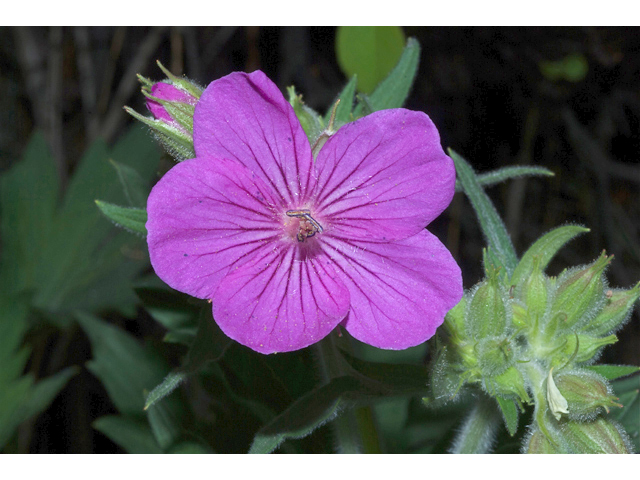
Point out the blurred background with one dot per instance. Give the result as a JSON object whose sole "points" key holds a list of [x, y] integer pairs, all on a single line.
{"points": [[567, 99]]}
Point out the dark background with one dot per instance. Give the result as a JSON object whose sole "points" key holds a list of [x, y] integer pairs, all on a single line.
{"points": [[483, 87]]}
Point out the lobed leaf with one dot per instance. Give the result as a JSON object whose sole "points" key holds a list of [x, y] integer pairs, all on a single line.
{"points": [[500, 175], [132, 435], [131, 219], [493, 228]]}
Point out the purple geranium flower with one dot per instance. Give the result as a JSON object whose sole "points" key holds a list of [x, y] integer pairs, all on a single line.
{"points": [[287, 247]]}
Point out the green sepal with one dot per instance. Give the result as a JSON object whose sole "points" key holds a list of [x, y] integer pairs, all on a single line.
{"points": [[488, 312], [131, 219], [544, 249], [309, 119], [616, 311], [345, 107], [181, 82], [580, 348], [178, 143], [510, 413]]}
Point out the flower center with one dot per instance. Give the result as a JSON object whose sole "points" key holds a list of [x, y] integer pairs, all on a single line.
{"points": [[307, 227]]}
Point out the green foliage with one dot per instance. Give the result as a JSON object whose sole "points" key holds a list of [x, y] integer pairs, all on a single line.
{"points": [[572, 68], [59, 256], [131, 219], [369, 52], [21, 397], [506, 173], [64, 253]]}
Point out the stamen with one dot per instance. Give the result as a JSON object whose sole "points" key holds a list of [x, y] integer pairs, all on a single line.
{"points": [[308, 227]]}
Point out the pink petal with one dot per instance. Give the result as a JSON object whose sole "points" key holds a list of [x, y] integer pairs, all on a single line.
{"points": [[204, 216], [246, 118], [400, 291], [384, 176], [285, 299]]}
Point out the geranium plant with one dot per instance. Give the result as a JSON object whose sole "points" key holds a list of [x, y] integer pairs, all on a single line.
{"points": [[302, 232]]}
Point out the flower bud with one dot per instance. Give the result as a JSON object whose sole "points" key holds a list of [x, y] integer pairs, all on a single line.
{"points": [[617, 310], [172, 103], [537, 442], [495, 355], [586, 393], [488, 313], [534, 292], [599, 436], [584, 347], [454, 321], [580, 294]]}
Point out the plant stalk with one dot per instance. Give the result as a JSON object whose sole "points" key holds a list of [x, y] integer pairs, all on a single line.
{"points": [[479, 429]]}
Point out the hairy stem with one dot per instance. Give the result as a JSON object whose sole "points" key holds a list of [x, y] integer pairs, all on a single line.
{"points": [[479, 429]]}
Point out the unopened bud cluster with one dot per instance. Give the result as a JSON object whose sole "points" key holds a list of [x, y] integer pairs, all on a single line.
{"points": [[530, 339], [172, 104]]}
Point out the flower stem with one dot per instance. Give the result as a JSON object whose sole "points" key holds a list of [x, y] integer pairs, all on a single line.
{"points": [[354, 429], [479, 429]]}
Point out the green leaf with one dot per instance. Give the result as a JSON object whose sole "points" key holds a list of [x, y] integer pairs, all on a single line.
{"points": [[545, 249], [343, 112], [369, 52], [20, 399], [509, 411], [190, 448], [124, 367], [491, 224], [132, 435], [322, 404], [134, 187], [12, 397], [64, 253], [164, 424], [176, 311], [131, 219], [628, 392], [45, 391], [394, 378], [28, 197], [394, 90], [496, 176], [572, 68], [208, 346], [613, 372], [306, 414]]}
